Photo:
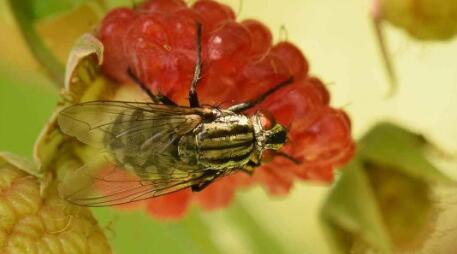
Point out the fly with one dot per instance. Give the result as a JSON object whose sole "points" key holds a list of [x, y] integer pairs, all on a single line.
{"points": [[162, 147]]}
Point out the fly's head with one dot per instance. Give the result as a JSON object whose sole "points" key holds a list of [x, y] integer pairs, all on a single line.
{"points": [[276, 137], [269, 134]]}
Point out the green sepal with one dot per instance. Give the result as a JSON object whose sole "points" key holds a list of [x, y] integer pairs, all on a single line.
{"points": [[383, 200], [55, 152]]}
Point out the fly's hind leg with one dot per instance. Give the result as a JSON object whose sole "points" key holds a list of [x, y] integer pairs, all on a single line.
{"points": [[207, 178], [201, 186], [155, 98], [193, 98]]}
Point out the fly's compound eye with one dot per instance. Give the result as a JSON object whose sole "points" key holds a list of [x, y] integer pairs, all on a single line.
{"points": [[266, 120]]}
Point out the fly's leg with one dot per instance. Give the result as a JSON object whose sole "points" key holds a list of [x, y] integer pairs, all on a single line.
{"points": [[209, 176], [200, 186], [238, 108], [287, 156], [250, 167], [155, 98], [165, 100], [193, 98]]}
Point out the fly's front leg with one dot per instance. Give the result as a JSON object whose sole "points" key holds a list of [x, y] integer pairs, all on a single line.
{"points": [[250, 167], [155, 98], [193, 98], [287, 156], [238, 108]]}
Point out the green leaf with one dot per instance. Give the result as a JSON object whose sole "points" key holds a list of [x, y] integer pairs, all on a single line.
{"points": [[383, 201]]}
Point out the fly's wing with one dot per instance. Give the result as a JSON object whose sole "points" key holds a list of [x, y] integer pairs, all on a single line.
{"points": [[137, 162], [131, 126], [95, 185]]}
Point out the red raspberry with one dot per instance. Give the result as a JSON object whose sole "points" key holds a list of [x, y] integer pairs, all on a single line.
{"points": [[229, 44], [326, 135], [319, 90], [261, 37], [213, 13], [181, 26], [220, 194], [293, 58], [170, 206], [112, 34], [162, 6], [277, 181], [209, 88], [258, 76], [303, 98], [158, 42]]}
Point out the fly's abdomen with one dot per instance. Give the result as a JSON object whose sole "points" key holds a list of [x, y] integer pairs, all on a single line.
{"points": [[135, 144], [227, 142]]}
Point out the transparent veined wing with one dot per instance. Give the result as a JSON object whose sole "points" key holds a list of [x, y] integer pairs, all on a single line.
{"points": [[130, 126], [138, 140], [102, 183]]}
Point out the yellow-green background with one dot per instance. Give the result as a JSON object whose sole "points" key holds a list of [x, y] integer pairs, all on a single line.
{"points": [[338, 39]]}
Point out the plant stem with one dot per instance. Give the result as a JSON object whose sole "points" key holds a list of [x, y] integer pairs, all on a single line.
{"points": [[53, 67]]}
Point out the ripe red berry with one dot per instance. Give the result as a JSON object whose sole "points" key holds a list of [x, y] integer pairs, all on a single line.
{"points": [[157, 42], [173, 205], [277, 182], [261, 37], [326, 135], [112, 33], [162, 6], [229, 44], [213, 13], [181, 26], [293, 58], [317, 90], [259, 75], [220, 194]]}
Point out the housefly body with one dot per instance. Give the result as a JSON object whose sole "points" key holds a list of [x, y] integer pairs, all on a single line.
{"points": [[162, 147]]}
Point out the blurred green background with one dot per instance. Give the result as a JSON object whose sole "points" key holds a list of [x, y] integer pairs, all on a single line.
{"points": [[338, 39]]}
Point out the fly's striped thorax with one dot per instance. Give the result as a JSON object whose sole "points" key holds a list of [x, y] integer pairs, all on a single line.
{"points": [[227, 142]]}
